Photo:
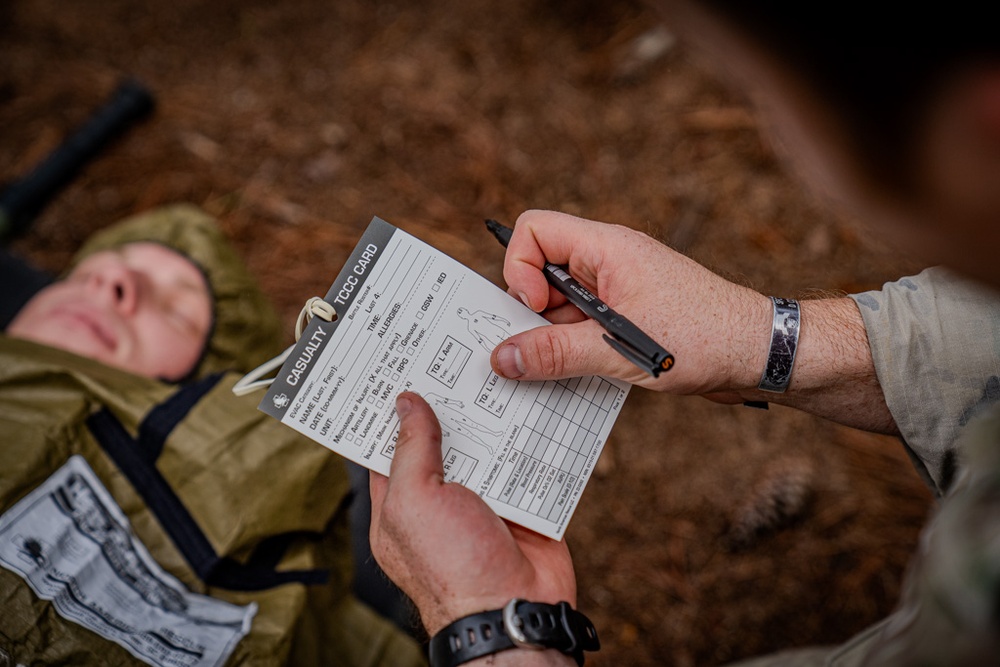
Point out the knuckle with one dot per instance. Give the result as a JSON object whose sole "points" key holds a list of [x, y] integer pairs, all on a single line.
{"points": [[551, 353], [405, 432]]}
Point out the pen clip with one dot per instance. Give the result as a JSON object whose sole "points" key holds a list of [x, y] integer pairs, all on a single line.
{"points": [[627, 350]]}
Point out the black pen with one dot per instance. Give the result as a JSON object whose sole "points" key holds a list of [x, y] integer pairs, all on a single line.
{"points": [[626, 338]]}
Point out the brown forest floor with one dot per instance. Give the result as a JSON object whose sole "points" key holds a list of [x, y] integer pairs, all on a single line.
{"points": [[296, 122]]}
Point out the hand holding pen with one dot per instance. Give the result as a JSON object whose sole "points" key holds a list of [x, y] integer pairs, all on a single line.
{"points": [[684, 309], [622, 335]]}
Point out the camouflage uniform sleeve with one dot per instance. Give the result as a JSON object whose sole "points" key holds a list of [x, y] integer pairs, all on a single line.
{"points": [[935, 341], [948, 613]]}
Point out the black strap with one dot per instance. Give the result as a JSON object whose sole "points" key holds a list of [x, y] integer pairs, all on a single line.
{"points": [[136, 459], [555, 626], [161, 420], [468, 638]]}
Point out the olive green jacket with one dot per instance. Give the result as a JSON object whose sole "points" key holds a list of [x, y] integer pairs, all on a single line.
{"points": [[270, 507], [145, 522]]}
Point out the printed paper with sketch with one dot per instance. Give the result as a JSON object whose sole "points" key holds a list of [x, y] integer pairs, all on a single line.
{"points": [[411, 318]]}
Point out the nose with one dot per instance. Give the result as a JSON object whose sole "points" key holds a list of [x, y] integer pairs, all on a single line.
{"points": [[118, 283]]}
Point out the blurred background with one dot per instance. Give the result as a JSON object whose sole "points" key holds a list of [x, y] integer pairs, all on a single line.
{"points": [[708, 533]]}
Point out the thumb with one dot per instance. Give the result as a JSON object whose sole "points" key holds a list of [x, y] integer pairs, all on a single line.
{"points": [[416, 467], [417, 457], [558, 351]]}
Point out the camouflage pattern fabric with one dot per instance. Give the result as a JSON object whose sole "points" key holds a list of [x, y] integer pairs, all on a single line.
{"points": [[935, 341]]}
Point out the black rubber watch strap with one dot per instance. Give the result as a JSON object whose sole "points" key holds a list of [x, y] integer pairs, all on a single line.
{"points": [[469, 638], [539, 626]]}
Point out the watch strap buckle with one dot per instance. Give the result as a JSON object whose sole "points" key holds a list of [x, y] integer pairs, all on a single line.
{"points": [[541, 626], [520, 624]]}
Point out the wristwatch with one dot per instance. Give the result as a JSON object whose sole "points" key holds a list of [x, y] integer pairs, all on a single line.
{"points": [[520, 624]]}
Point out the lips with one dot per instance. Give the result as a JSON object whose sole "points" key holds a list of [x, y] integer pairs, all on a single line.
{"points": [[98, 327]]}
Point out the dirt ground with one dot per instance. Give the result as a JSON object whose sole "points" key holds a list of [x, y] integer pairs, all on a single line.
{"points": [[296, 122]]}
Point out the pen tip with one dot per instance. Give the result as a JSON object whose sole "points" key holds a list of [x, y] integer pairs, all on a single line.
{"points": [[501, 232]]}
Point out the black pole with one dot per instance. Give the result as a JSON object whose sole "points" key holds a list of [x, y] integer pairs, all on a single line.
{"points": [[24, 199]]}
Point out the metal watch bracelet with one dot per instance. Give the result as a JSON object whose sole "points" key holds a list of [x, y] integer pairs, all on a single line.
{"points": [[785, 327]]}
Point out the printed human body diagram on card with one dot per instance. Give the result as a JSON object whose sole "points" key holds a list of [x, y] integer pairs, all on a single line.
{"points": [[410, 318]]}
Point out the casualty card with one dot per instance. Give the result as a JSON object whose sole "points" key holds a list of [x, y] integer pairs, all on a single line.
{"points": [[410, 318]]}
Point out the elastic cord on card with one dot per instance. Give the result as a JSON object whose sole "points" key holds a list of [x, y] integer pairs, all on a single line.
{"points": [[254, 380]]}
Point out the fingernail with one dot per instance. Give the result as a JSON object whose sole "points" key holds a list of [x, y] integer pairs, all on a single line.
{"points": [[510, 361], [524, 299], [403, 406]]}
